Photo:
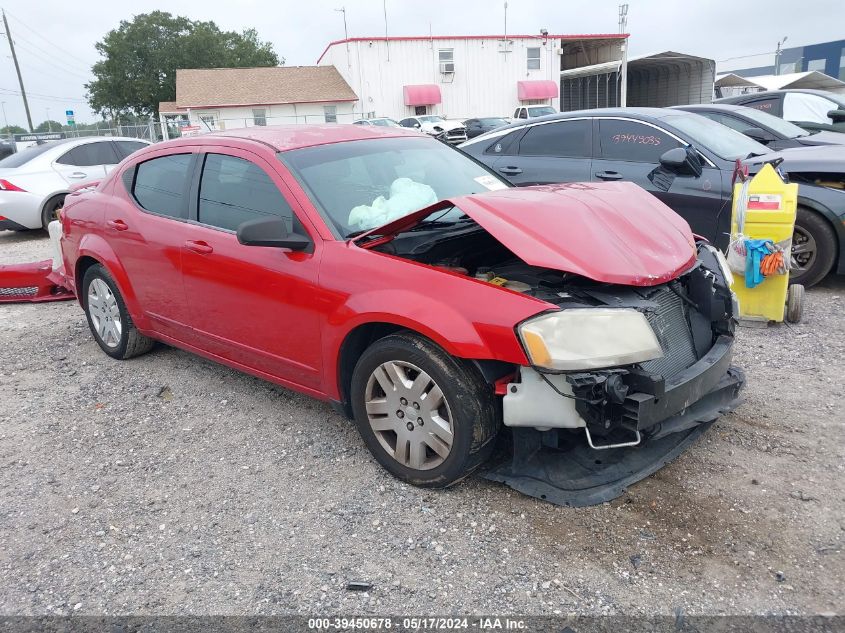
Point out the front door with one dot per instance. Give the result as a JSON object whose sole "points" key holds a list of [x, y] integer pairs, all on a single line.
{"points": [[631, 150], [86, 162], [252, 305]]}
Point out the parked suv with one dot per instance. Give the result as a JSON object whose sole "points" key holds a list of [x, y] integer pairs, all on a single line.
{"points": [[532, 112]]}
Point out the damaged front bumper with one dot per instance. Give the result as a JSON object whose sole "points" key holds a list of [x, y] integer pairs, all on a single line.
{"points": [[643, 430]]}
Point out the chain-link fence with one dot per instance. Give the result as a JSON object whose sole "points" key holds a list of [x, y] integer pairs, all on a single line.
{"points": [[205, 123]]}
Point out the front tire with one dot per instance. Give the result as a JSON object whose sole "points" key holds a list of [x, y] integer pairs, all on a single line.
{"points": [[108, 317], [813, 249], [428, 418]]}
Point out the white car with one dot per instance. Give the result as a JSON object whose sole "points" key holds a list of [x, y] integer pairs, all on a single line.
{"points": [[435, 125], [532, 112], [380, 122], [34, 181]]}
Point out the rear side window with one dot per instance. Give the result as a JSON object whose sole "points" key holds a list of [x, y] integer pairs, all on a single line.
{"points": [[570, 139], [124, 148], [161, 185], [234, 190], [101, 153], [633, 141], [772, 105], [26, 155]]}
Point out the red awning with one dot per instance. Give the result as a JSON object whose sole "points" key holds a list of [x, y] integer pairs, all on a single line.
{"points": [[422, 94], [538, 89]]}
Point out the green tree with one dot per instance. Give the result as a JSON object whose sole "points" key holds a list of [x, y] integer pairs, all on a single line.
{"points": [[140, 58], [12, 129], [46, 126]]}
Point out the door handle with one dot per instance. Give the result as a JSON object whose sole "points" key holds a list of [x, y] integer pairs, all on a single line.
{"points": [[199, 247], [78, 175], [510, 171], [609, 175], [117, 225]]}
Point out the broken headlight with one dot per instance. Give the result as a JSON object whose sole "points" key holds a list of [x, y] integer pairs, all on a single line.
{"points": [[588, 338]]}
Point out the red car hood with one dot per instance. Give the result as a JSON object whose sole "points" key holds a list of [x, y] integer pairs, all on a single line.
{"points": [[610, 232]]}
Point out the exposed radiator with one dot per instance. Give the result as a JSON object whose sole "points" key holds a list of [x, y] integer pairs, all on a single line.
{"points": [[671, 326]]}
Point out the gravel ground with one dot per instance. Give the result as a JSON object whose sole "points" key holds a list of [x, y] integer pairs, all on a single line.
{"points": [[171, 485]]}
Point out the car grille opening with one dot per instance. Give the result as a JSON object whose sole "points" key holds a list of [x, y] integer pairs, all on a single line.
{"points": [[26, 291], [671, 325]]}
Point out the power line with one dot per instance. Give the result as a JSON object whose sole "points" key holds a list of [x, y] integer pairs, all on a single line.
{"points": [[52, 44], [53, 62], [10, 92]]}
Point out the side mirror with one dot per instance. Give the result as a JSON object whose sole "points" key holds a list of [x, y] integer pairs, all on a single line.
{"points": [[837, 116], [271, 231], [760, 135], [416, 125], [682, 160]]}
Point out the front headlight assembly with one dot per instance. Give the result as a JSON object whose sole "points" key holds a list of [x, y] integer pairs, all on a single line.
{"points": [[588, 338]]}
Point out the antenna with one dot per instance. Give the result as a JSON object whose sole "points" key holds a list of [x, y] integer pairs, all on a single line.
{"points": [[623, 17], [345, 35], [506, 21]]}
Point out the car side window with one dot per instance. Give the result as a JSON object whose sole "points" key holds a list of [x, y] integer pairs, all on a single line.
{"points": [[770, 105], [89, 154], [570, 139], [505, 145], [523, 113], [234, 190], [739, 125], [798, 106], [407, 122], [125, 148], [633, 141], [161, 185]]}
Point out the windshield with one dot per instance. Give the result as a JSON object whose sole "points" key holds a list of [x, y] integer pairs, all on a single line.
{"points": [[385, 122], [431, 118], [26, 155], [785, 128], [719, 139], [359, 185], [542, 111]]}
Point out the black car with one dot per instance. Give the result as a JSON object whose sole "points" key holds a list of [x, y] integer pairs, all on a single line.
{"points": [[475, 127], [684, 159], [774, 133], [813, 110]]}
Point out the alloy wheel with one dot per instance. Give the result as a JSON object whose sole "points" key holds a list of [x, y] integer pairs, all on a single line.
{"points": [[804, 250], [104, 312], [409, 415]]}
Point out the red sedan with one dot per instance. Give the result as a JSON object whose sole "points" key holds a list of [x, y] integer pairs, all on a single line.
{"points": [[410, 286]]}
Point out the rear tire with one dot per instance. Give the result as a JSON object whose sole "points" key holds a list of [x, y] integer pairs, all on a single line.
{"points": [[108, 317], [51, 209], [428, 418], [813, 248]]}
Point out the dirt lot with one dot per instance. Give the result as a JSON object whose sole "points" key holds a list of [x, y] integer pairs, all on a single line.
{"points": [[168, 484]]}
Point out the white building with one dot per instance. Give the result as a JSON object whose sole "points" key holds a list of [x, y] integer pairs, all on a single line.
{"points": [[460, 76], [209, 99], [455, 76]]}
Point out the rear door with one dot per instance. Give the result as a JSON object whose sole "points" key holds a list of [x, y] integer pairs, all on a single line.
{"points": [[86, 162], [146, 230], [546, 153], [252, 305], [630, 150]]}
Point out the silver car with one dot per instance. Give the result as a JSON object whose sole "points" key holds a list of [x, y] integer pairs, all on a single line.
{"points": [[34, 182]]}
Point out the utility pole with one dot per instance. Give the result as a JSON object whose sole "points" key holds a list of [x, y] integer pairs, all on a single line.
{"points": [[623, 79], [778, 54], [18, 70], [345, 35]]}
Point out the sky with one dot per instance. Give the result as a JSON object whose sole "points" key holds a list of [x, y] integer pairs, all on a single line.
{"points": [[55, 39]]}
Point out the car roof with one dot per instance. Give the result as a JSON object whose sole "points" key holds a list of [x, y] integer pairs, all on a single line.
{"points": [[714, 107], [637, 113], [284, 138]]}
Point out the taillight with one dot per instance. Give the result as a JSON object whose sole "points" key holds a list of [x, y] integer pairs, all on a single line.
{"points": [[5, 185]]}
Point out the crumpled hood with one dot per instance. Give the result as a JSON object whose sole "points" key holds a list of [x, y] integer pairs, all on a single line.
{"points": [[445, 126], [610, 232]]}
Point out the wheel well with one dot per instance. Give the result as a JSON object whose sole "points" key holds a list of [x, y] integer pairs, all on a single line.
{"points": [[82, 265], [51, 199], [351, 349]]}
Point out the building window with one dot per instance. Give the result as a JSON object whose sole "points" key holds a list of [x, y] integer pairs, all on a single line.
{"points": [[533, 56], [788, 67], [420, 110], [330, 112], [208, 122], [259, 116], [447, 60], [816, 64]]}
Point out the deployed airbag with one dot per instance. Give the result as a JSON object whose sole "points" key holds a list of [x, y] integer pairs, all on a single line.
{"points": [[406, 195]]}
